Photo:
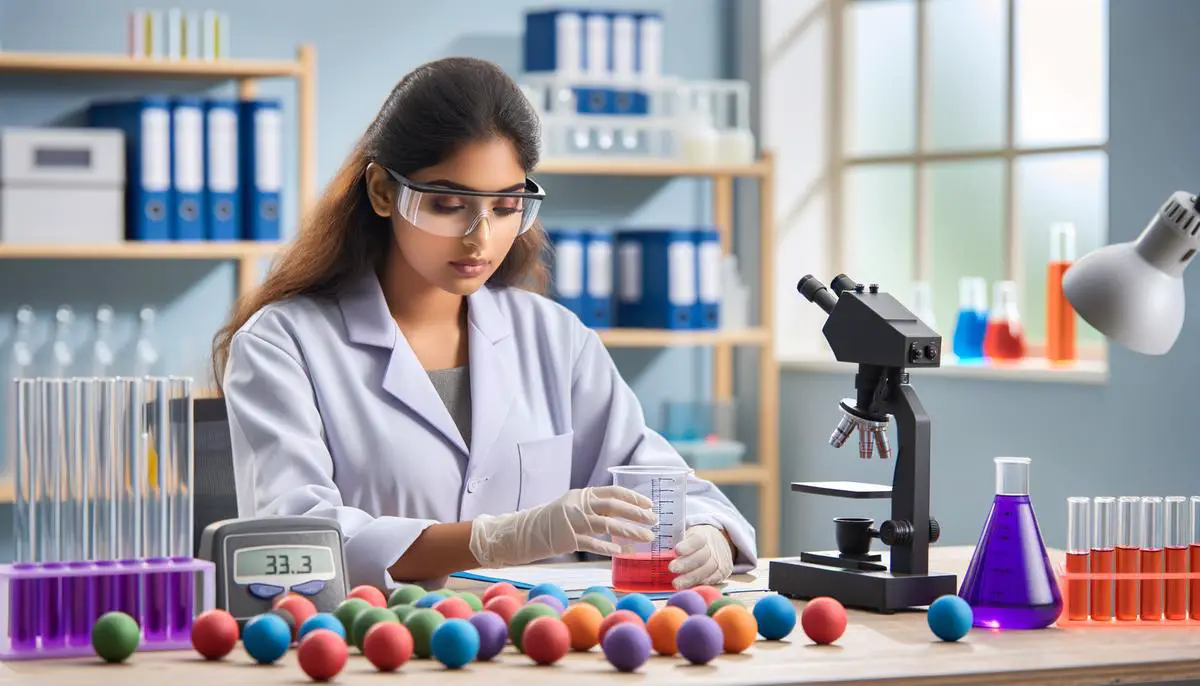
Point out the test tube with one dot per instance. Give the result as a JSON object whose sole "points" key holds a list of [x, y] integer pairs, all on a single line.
{"points": [[1129, 532], [76, 522], [23, 619], [1194, 560], [104, 466], [1152, 558], [1176, 538], [183, 592], [53, 455], [1078, 549], [154, 510], [1103, 558], [131, 468]]}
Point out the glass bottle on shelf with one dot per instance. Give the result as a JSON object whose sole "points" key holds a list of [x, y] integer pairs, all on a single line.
{"points": [[64, 355], [22, 361], [145, 354], [1005, 337], [102, 352], [1060, 316], [971, 321]]}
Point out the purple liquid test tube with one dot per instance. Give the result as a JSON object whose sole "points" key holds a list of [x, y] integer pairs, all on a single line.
{"points": [[51, 611], [23, 603], [181, 450], [157, 444], [102, 586], [78, 604], [23, 624], [76, 525], [104, 469], [157, 600], [127, 584], [130, 474]]}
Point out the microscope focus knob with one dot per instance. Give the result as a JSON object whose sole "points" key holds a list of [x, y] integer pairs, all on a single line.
{"points": [[895, 532], [935, 530]]}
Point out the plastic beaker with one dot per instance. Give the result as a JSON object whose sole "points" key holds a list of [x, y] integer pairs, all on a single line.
{"points": [[1010, 583], [643, 567]]}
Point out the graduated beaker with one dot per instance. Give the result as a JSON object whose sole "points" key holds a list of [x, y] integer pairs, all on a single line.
{"points": [[1009, 583], [643, 567]]}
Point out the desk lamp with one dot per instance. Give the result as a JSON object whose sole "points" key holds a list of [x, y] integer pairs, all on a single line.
{"points": [[1133, 292]]}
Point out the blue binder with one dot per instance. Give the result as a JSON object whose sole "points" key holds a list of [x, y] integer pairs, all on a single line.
{"points": [[260, 144], [222, 191], [627, 308], [555, 40], [146, 123], [669, 282], [568, 268], [187, 169], [598, 296], [708, 278]]}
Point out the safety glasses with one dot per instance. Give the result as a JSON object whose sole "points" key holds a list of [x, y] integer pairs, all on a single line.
{"points": [[456, 212]]}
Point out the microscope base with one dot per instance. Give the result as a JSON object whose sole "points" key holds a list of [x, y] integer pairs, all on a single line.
{"points": [[878, 591]]}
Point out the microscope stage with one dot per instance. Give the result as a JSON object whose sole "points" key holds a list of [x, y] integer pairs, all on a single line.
{"points": [[843, 489], [878, 591]]}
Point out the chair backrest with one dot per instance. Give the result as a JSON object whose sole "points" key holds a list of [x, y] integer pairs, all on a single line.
{"points": [[214, 490]]}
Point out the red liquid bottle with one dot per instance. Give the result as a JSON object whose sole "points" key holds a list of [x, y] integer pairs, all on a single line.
{"points": [[1194, 561], [1128, 557], [1060, 316], [1104, 557], [1078, 553], [1175, 607], [1005, 338], [1152, 559]]}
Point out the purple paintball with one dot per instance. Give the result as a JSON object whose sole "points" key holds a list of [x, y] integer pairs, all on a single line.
{"points": [[627, 646], [700, 639], [493, 634], [690, 602]]}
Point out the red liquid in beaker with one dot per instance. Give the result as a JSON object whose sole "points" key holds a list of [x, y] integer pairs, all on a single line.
{"points": [[643, 572], [1003, 341]]}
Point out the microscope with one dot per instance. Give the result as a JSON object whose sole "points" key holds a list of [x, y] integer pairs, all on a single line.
{"points": [[873, 330]]}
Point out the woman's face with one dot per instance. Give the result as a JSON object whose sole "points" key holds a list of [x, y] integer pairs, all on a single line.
{"points": [[460, 264]]}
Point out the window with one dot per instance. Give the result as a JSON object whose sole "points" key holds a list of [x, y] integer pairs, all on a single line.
{"points": [[957, 133]]}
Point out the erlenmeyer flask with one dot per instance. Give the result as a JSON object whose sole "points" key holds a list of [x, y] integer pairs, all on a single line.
{"points": [[1010, 583], [971, 321], [1005, 337]]}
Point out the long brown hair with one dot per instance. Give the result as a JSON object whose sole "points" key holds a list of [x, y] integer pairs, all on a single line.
{"points": [[432, 112]]}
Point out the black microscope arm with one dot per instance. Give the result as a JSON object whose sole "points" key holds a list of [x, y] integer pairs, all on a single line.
{"points": [[910, 521]]}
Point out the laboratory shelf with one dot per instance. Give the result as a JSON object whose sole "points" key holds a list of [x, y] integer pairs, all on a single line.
{"points": [[643, 167], [742, 474], [668, 338], [141, 251], [82, 63]]}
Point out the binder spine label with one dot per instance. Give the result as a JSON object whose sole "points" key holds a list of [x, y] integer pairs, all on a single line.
{"points": [[222, 151], [630, 273], [710, 271], [568, 269], [681, 261], [568, 43], [599, 271], [597, 44], [268, 150], [189, 155], [156, 150]]}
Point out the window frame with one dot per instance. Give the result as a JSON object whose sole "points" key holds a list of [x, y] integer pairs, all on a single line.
{"points": [[1009, 153]]}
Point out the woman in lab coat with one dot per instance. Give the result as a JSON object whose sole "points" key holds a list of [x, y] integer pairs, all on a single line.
{"points": [[393, 372]]}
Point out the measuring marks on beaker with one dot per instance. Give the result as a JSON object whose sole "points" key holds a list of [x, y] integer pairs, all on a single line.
{"points": [[665, 505]]}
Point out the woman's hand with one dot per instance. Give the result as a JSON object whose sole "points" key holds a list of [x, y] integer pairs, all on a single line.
{"points": [[704, 556]]}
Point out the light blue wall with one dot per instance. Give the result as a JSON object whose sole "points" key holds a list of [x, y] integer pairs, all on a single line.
{"points": [[1137, 435], [362, 47]]}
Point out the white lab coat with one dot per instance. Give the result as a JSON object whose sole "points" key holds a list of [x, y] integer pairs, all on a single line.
{"points": [[332, 415]]}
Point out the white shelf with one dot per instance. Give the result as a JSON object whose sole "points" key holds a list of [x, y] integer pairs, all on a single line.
{"points": [[1094, 372]]}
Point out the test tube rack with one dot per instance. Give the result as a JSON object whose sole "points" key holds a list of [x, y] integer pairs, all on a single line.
{"points": [[1136, 567], [51, 606]]}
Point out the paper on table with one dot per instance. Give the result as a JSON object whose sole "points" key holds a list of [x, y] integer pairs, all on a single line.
{"points": [[573, 579]]}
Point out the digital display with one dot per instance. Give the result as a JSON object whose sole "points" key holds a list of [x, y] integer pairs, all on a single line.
{"points": [[281, 561]]}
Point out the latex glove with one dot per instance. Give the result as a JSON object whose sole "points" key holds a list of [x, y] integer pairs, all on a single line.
{"points": [[703, 556], [572, 523]]}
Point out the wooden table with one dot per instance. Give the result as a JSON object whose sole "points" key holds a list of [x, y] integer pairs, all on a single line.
{"points": [[894, 648]]}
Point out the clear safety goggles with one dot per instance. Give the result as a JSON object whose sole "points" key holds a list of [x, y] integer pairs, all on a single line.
{"points": [[456, 212]]}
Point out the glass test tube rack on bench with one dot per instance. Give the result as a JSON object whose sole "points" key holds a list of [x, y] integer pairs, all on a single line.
{"points": [[1132, 561], [102, 514]]}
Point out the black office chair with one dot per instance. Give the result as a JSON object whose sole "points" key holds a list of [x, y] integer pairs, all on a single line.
{"points": [[214, 490]]}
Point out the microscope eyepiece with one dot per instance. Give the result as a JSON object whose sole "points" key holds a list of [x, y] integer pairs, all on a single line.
{"points": [[816, 292], [841, 282]]}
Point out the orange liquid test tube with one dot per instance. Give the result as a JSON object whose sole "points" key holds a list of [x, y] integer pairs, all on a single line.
{"points": [[1078, 549], [1128, 556], [1104, 557], [1176, 537], [1194, 560], [1152, 559], [1060, 316]]}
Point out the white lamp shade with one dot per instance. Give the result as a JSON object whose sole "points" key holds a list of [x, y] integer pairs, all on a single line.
{"points": [[1126, 298]]}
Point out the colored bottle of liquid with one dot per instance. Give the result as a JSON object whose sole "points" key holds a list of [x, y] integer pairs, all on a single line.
{"points": [[1005, 338], [1010, 583], [1060, 316], [971, 321]]}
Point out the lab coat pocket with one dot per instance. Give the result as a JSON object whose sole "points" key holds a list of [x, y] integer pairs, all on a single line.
{"points": [[545, 469]]}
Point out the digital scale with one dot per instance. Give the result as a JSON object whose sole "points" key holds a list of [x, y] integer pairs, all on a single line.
{"points": [[259, 560]]}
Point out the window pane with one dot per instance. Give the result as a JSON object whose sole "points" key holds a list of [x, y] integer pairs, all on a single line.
{"points": [[967, 73], [966, 221], [1062, 72], [880, 237], [1058, 188], [880, 78]]}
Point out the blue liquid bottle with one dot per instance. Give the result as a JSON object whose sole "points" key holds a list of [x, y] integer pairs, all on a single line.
{"points": [[971, 322]]}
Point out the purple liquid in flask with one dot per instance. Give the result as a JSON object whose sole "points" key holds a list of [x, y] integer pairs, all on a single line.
{"points": [[1010, 583]]}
